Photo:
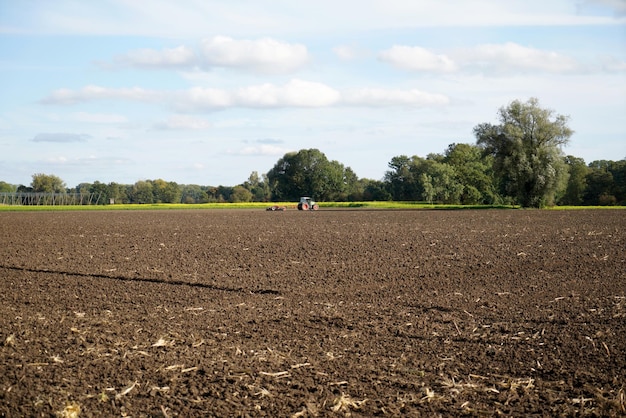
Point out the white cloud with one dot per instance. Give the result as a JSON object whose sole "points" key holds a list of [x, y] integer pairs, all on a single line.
{"points": [[88, 162], [236, 123], [295, 93], [150, 58], [499, 58], [617, 6], [60, 137], [104, 118], [263, 150], [182, 122], [394, 97], [345, 52], [512, 57], [199, 98], [57, 159], [270, 141], [415, 58], [91, 92], [613, 64], [264, 55]]}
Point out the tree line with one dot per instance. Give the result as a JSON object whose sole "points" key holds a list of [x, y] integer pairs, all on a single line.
{"points": [[518, 161]]}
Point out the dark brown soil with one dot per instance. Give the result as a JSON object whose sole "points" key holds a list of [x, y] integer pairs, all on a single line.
{"points": [[329, 313]]}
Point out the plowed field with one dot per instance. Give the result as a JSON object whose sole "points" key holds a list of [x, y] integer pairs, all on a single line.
{"points": [[328, 313]]}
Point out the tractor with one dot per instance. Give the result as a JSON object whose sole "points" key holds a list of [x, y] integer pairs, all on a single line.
{"points": [[306, 203]]}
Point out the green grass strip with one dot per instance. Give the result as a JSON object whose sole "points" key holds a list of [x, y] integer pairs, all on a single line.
{"points": [[288, 205]]}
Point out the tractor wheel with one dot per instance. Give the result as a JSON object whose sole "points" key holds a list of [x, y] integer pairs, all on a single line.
{"points": [[299, 206], [305, 206], [315, 207]]}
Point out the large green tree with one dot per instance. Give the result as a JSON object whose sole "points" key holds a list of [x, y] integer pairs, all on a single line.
{"points": [[353, 190], [6, 187], [618, 168], [577, 182], [193, 193], [374, 190], [100, 193], [606, 183], [258, 186], [308, 172], [439, 183], [526, 146], [118, 192], [166, 192], [47, 183], [240, 194], [474, 171], [402, 182], [429, 179], [142, 192]]}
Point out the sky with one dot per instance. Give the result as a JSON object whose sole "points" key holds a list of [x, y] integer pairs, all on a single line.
{"points": [[208, 91]]}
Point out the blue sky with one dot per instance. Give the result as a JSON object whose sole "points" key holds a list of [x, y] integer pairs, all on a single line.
{"points": [[205, 92]]}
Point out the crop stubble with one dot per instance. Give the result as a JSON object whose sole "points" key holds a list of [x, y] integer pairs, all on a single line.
{"points": [[336, 312]]}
